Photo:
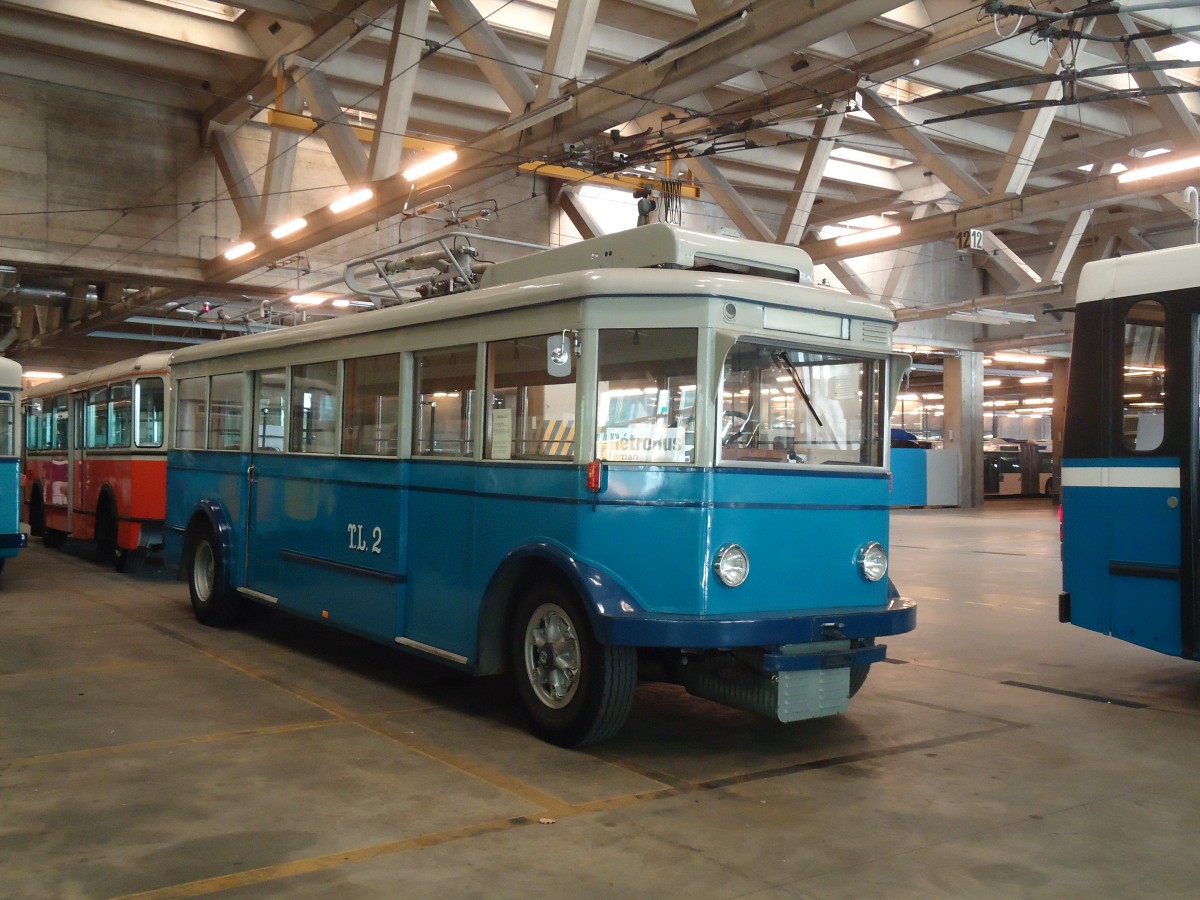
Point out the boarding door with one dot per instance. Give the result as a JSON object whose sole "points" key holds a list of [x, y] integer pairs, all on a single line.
{"points": [[1148, 511], [73, 480], [265, 485]]}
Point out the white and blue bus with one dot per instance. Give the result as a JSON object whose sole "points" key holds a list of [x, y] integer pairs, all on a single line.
{"points": [[12, 539], [655, 455], [1130, 454]]}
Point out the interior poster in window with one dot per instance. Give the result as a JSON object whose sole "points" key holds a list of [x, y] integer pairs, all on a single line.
{"points": [[502, 432]]}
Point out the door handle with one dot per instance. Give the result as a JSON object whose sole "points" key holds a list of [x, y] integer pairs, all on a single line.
{"points": [[251, 474]]}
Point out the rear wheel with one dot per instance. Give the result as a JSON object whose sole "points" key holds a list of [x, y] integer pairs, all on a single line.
{"points": [[575, 690], [52, 538], [212, 600], [106, 533]]}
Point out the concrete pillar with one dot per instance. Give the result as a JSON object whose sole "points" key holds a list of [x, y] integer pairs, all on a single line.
{"points": [[962, 427]]}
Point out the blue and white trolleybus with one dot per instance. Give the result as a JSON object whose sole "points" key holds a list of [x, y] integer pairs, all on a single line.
{"points": [[1130, 455], [655, 455]]}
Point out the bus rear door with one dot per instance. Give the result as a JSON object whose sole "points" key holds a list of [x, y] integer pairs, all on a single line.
{"points": [[1126, 508]]}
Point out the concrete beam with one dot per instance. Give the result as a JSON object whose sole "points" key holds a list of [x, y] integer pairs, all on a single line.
{"points": [[489, 53], [727, 197], [395, 96], [568, 46], [239, 183], [812, 169], [339, 136]]}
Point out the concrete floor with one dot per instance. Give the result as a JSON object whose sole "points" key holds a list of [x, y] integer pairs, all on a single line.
{"points": [[141, 753]]}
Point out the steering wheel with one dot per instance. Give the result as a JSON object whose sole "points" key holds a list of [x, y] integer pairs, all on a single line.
{"points": [[729, 419]]}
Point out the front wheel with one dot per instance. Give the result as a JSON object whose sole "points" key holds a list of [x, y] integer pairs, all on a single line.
{"points": [[575, 690], [213, 602], [858, 674]]}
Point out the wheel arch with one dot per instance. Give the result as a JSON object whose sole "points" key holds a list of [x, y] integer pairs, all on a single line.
{"points": [[209, 513], [596, 590], [106, 497]]}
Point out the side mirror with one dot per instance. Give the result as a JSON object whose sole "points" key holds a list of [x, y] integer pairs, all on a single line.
{"points": [[558, 355]]}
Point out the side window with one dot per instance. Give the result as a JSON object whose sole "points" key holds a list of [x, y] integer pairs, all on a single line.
{"points": [[532, 412], [314, 408], [148, 403], [8, 424], [443, 401], [1144, 389], [120, 414], [58, 422], [225, 417], [95, 428], [78, 405], [191, 406], [270, 391], [646, 395], [32, 427], [371, 413]]}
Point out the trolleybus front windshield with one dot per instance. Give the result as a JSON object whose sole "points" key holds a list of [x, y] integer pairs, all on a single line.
{"points": [[786, 405]]}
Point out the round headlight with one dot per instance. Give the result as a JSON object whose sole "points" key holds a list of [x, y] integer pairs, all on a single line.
{"points": [[732, 565], [871, 560]]}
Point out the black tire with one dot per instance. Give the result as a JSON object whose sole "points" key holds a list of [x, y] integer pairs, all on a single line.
{"points": [[213, 601], [53, 538], [106, 533], [37, 514], [858, 674], [574, 690], [130, 561]]}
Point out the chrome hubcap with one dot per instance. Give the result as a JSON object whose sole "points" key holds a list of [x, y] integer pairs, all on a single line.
{"points": [[203, 570], [552, 655]]}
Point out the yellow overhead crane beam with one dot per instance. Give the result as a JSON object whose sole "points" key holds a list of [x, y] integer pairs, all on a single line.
{"points": [[579, 176], [308, 125]]}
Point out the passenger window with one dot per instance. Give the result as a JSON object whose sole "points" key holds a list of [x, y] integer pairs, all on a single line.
{"points": [[95, 435], [190, 409], [1144, 386], [646, 400], [59, 420], [270, 390], [7, 426], [32, 428], [314, 408], [120, 414], [532, 413], [443, 401], [371, 414], [148, 401], [225, 418]]}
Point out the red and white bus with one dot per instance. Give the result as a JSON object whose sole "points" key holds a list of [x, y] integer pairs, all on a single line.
{"points": [[96, 458]]}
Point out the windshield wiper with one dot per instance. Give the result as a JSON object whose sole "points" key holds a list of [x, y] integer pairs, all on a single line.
{"points": [[782, 357]]}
